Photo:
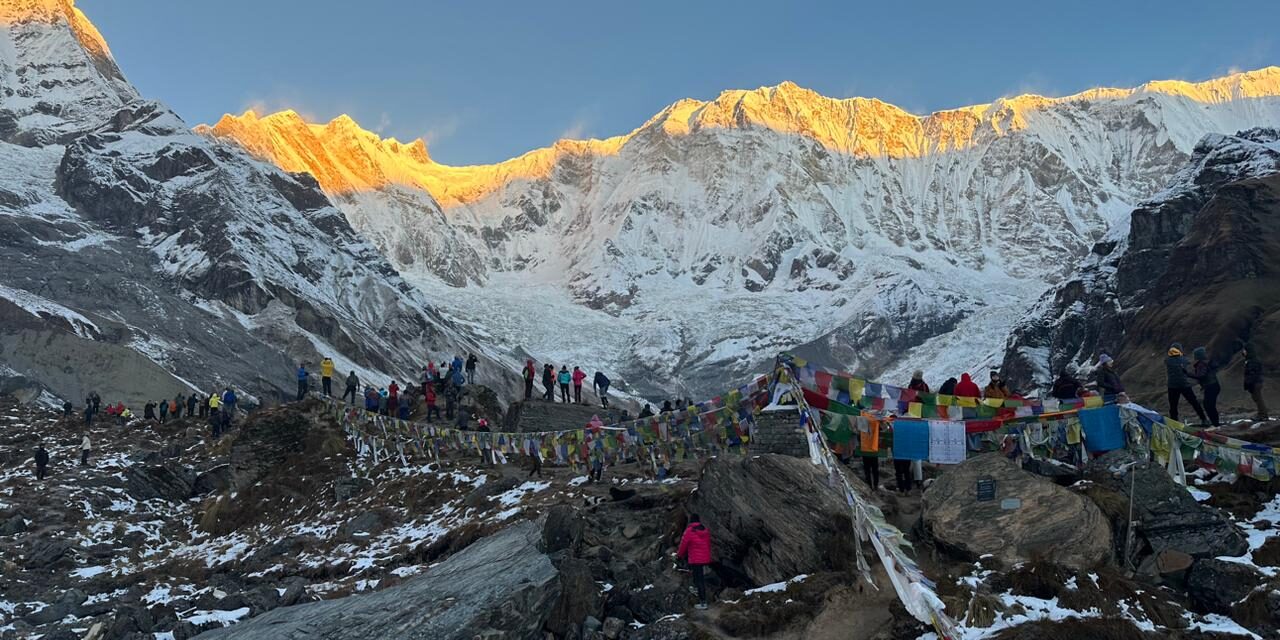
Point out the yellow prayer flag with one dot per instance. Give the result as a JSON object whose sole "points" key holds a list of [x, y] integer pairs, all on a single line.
{"points": [[945, 400], [855, 389], [1091, 402], [994, 402], [915, 409], [966, 401]]}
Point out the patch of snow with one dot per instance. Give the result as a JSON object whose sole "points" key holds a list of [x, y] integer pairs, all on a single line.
{"points": [[777, 586]]}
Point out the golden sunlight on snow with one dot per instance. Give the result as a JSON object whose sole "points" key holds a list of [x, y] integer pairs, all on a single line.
{"points": [[345, 158]]}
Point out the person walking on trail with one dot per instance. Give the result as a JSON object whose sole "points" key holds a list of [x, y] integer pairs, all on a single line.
{"points": [[536, 463], [578, 376], [302, 381], [529, 374], [1106, 378], [42, 461], [564, 378], [1175, 367], [88, 416], [917, 382], [1205, 372], [215, 414], [430, 397], [193, 401], [1253, 381], [967, 388], [471, 368], [326, 377], [164, 410], [549, 382], [67, 409], [96, 400], [353, 387], [600, 383], [84, 450], [228, 406], [695, 548], [1066, 387]]}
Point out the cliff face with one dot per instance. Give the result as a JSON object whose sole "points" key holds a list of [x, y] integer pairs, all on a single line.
{"points": [[1196, 264]]}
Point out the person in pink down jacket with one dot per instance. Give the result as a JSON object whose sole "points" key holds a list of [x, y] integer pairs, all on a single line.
{"points": [[578, 376], [695, 547]]}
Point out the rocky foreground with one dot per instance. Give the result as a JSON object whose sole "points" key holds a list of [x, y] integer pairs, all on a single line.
{"points": [[280, 531]]}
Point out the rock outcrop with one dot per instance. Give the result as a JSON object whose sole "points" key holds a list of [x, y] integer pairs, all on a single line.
{"points": [[1029, 518], [1168, 516], [772, 518], [502, 587]]}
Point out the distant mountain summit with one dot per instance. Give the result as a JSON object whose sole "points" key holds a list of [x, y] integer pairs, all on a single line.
{"points": [[692, 248], [142, 260]]}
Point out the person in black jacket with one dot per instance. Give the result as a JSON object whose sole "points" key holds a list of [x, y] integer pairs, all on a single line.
{"points": [[1175, 366], [471, 368], [948, 388], [1205, 371], [1253, 381], [1105, 376], [42, 461], [1066, 387], [600, 383]]}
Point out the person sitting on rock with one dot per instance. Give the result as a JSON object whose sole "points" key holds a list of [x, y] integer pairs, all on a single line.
{"points": [[996, 388], [917, 382], [1066, 387], [967, 388], [1106, 378], [695, 547]]}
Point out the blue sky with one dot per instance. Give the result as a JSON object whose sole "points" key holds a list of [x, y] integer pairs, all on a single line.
{"points": [[483, 81]]}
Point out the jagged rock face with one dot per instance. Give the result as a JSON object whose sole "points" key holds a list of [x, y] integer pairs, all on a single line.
{"points": [[721, 232], [1194, 265], [126, 234]]}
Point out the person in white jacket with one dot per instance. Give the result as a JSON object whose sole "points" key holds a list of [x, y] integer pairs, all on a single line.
{"points": [[84, 451]]}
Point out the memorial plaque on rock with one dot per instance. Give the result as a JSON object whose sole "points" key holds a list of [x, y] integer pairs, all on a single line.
{"points": [[1009, 504], [986, 489]]}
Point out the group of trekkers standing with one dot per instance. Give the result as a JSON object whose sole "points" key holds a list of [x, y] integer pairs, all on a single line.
{"points": [[1203, 369], [563, 379]]}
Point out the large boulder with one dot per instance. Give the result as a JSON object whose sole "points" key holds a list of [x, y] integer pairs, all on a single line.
{"points": [[501, 587], [1029, 518], [1168, 517], [772, 518], [1214, 585], [167, 480]]}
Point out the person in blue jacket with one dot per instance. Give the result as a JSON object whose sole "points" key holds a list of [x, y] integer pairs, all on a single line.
{"points": [[302, 381]]}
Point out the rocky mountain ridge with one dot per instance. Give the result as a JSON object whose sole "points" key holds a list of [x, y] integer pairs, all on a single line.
{"points": [[143, 260], [721, 232]]}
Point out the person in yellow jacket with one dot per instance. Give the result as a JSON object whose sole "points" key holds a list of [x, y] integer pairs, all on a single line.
{"points": [[326, 376], [215, 414]]}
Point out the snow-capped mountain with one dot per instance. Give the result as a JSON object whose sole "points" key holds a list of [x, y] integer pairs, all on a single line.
{"points": [[1196, 264], [721, 232], [142, 259]]}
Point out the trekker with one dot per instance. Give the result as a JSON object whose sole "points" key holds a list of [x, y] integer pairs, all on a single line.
{"points": [[228, 407], [353, 387], [646, 412], [666, 406], [424, 379], [600, 384], [432, 409], [149, 411], [179, 403], [88, 416], [549, 382], [871, 470], [67, 409], [215, 414], [302, 381], [471, 368], [529, 374], [393, 396], [97, 401], [404, 410], [192, 401], [382, 401], [996, 388], [948, 388], [450, 401], [1175, 367], [371, 400], [578, 376], [902, 475], [564, 378], [967, 388], [536, 467], [42, 461], [695, 547], [1106, 378], [917, 382], [164, 410], [84, 450], [1066, 387], [1205, 371], [1253, 381], [326, 376]]}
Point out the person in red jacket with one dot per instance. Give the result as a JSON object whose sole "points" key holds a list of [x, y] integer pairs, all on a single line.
{"points": [[578, 376], [393, 397], [967, 388], [695, 547]]}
